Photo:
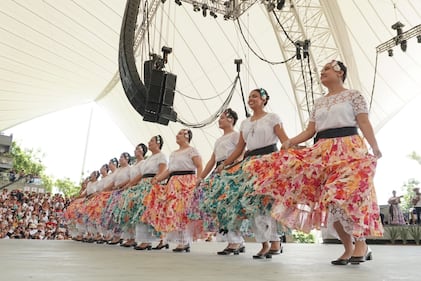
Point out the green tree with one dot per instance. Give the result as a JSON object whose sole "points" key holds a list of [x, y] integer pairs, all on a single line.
{"points": [[29, 162], [415, 157], [67, 187], [407, 189]]}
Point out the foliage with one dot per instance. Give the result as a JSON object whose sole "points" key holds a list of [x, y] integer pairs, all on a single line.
{"points": [[393, 232], [415, 157], [407, 188], [301, 237], [415, 231], [27, 161], [403, 231], [67, 187]]}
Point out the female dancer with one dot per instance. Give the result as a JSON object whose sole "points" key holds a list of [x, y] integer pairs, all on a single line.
{"points": [[168, 205], [205, 198], [153, 165], [120, 212], [330, 183], [260, 133], [121, 178]]}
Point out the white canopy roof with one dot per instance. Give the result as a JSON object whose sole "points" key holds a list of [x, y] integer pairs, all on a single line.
{"points": [[58, 54]]}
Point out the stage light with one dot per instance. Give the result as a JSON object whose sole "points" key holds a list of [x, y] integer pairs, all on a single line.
{"points": [[178, 2], [404, 45], [205, 10], [390, 52], [419, 38], [280, 4], [196, 7], [213, 14]]}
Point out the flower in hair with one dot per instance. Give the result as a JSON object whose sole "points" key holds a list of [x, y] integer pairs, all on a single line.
{"points": [[335, 65]]}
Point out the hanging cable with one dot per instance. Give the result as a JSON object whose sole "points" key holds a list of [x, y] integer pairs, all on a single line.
{"points": [[146, 16], [305, 85], [282, 27], [204, 99], [238, 63], [214, 116], [244, 100], [374, 82], [311, 78], [255, 53]]}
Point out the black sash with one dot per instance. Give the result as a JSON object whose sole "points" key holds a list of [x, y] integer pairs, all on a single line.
{"points": [[261, 151], [219, 163], [335, 133], [148, 176]]}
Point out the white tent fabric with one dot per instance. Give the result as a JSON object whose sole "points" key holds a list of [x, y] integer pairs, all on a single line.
{"points": [[58, 54]]}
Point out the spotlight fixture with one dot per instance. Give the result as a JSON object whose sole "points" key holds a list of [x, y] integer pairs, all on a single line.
{"points": [[404, 45], [163, 1], [178, 2], [390, 52], [196, 7], [204, 10], [227, 4], [213, 14], [280, 4], [419, 38]]}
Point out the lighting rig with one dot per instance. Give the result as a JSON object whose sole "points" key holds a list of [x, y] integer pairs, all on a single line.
{"points": [[229, 9], [401, 38]]}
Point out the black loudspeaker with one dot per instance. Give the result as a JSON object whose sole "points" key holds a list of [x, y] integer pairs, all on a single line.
{"points": [[160, 100], [147, 70]]}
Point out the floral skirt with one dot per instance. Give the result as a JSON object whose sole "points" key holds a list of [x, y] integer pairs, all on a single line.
{"points": [[96, 206], [233, 200], [74, 212], [107, 216], [131, 206], [335, 173], [198, 212], [167, 205]]}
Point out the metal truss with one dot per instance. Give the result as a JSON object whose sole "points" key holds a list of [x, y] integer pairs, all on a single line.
{"points": [[229, 9], [400, 38], [304, 20]]}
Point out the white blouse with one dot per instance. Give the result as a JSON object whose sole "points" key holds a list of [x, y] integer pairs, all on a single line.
{"points": [[105, 181], [151, 165], [225, 145], [123, 174], [338, 110], [181, 160], [91, 187], [136, 169], [260, 133]]}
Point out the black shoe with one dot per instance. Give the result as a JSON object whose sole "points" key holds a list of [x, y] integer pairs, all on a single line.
{"points": [[276, 252], [139, 248], [128, 245], [359, 259], [161, 246], [228, 251], [242, 249], [340, 262], [184, 248], [261, 255]]}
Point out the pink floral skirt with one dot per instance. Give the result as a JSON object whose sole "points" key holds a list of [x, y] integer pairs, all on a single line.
{"points": [[335, 173]]}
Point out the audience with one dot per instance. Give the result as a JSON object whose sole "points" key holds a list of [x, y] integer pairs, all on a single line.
{"points": [[31, 215]]}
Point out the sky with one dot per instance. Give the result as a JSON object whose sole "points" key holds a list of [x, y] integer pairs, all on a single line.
{"points": [[63, 139]]}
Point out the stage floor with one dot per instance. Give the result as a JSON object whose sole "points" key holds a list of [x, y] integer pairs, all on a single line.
{"points": [[69, 260]]}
